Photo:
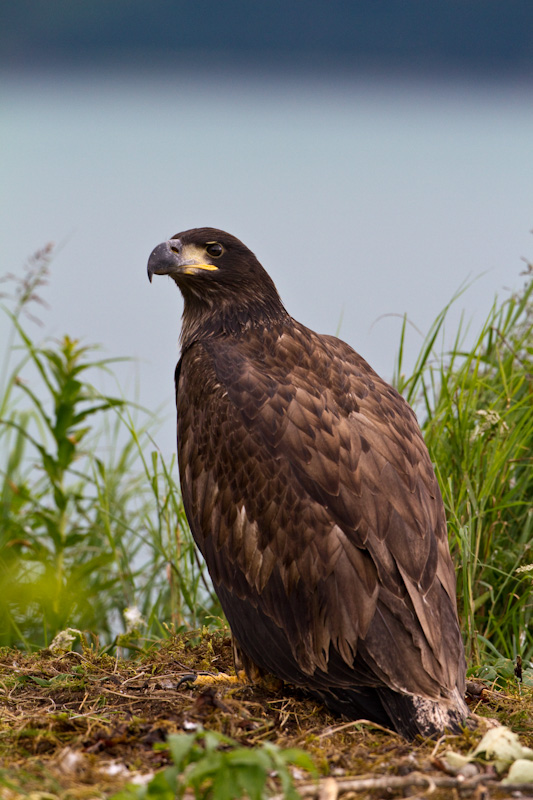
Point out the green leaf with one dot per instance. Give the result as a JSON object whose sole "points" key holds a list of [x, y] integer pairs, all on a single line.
{"points": [[225, 785], [299, 758], [204, 768], [252, 780], [180, 746], [60, 498], [40, 681], [163, 785], [250, 757]]}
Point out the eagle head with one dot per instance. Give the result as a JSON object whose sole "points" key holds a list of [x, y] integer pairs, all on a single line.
{"points": [[224, 286]]}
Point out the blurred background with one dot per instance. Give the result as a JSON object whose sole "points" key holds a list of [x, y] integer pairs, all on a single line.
{"points": [[375, 156]]}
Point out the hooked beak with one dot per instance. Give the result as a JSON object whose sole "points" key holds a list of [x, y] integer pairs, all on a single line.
{"points": [[171, 258]]}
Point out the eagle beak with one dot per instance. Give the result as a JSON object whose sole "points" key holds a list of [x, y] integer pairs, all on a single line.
{"points": [[163, 259], [170, 258]]}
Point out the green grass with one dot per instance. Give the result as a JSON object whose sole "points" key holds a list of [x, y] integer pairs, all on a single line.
{"points": [[91, 520], [475, 406]]}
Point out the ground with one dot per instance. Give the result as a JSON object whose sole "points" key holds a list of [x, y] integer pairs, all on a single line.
{"points": [[81, 725]]}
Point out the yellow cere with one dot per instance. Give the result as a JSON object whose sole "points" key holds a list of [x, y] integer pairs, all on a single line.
{"points": [[195, 256]]}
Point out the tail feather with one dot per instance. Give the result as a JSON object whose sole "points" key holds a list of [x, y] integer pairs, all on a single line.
{"points": [[409, 715], [412, 714], [355, 704]]}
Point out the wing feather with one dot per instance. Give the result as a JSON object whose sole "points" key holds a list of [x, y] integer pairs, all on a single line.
{"points": [[310, 493]]}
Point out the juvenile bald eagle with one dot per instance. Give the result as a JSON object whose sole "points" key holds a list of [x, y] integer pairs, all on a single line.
{"points": [[312, 497]]}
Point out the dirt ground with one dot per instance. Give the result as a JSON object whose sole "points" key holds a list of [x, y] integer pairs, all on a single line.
{"points": [[82, 725]]}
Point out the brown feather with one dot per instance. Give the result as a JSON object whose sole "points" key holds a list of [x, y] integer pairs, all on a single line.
{"points": [[311, 494]]}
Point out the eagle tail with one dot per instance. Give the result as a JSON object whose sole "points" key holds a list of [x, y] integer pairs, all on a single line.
{"points": [[413, 715], [409, 715]]}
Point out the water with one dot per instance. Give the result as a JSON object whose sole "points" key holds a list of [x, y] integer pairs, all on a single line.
{"points": [[362, 197]]}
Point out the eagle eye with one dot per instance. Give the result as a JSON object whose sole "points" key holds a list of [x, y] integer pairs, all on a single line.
{"points": [[214, 249]]}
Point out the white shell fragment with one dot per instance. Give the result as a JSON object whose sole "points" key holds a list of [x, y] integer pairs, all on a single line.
{"points": [[500, 746]]}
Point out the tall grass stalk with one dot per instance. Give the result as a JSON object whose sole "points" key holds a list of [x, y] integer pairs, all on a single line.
{"points": [[476, 409]]}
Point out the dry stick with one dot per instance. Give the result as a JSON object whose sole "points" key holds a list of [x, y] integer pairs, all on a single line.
{"points": [[329, 789], [324, 789], [354, 724]]}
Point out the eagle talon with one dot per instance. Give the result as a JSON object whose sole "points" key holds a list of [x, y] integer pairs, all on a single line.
{"points": [[205, 679], [189, 678], [210, 679]]}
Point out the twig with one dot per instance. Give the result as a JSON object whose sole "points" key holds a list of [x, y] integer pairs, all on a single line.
{"points": [[329, 789], [355, 724], [324, 790]]}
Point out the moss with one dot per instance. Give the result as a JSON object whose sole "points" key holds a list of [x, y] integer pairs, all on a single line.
{"points": [[101, 711]]}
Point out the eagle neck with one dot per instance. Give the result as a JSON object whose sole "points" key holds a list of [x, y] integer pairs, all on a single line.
{"points": [[203, 321]]}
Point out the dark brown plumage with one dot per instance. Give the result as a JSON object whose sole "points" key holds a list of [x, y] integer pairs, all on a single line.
{"points": [[311, 495]]}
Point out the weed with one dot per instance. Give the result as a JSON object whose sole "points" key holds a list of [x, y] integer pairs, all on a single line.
{"points": [[86, 530], [215, 768], [477, 420]]}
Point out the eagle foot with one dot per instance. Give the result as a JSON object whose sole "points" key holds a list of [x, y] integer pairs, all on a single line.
{"points": [[204, 679]]}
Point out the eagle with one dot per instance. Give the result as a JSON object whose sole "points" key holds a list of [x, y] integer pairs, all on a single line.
{"points": [[311, 495]]}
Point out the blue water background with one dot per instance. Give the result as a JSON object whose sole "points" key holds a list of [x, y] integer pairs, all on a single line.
{"points": [[363, 196]]}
